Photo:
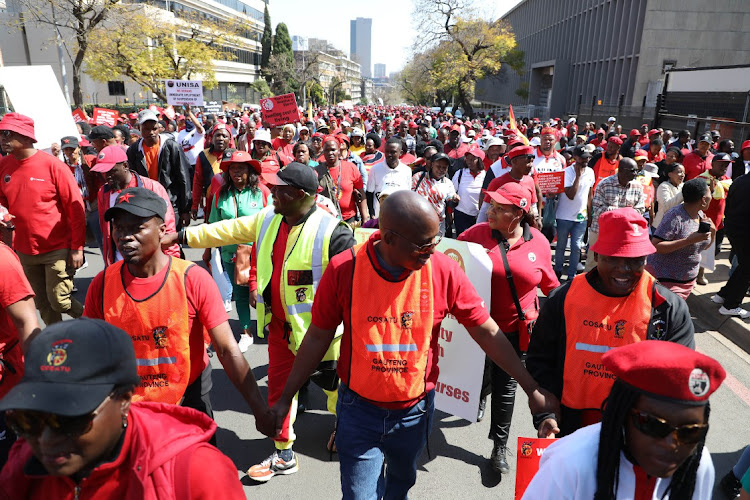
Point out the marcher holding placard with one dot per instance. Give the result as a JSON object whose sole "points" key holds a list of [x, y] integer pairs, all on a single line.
{"points": [[521, 261]]}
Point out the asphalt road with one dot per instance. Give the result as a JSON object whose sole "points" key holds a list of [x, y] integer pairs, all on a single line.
{"points": [[458, 466]]}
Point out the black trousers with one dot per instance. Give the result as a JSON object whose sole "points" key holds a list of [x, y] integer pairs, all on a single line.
{"points": [[503, 396], [197, 396], [734, 290], [462, 221]]}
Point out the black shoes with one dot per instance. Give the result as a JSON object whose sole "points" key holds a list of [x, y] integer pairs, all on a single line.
{"points": [[498, 461], [482, 408]]}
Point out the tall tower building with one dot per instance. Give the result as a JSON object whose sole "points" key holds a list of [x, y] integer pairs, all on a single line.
{"points": [[379, 70], [360, 49]]}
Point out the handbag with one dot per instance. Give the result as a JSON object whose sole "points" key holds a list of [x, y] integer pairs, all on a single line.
{"points": [[242, 265], [526, 319]]}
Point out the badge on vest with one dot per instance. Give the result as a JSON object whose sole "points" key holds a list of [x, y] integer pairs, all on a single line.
{"points": [[301, 294], [620, 329], [407, 320], [160, 337], [298, 278]]}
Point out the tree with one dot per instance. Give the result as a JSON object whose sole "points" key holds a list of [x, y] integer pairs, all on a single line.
{"points": [[78, 20], [463, 49], [266, 40], [281, 70], [282, 42], [149, 50], [261, 87], [316, 95]]}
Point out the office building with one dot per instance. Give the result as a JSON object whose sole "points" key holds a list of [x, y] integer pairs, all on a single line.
{"points": [[379, 70], [360, 47]]}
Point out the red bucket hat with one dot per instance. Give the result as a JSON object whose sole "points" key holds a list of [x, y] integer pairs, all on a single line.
{"points": [[512, 193], [18, 123], [623, 233], [240, 157]]}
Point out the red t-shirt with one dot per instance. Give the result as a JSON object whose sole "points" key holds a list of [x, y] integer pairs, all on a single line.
{"points": [[43, 195], [284, 148], [453, 294], [351, 179], [497, 182], [695, 164], [529, 261], [456, 153], [204, 305]]}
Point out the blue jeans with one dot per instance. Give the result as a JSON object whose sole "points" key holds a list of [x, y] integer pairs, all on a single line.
{"points": [[576, 231], [378, 448]]}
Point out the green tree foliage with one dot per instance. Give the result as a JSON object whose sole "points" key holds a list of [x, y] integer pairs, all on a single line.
{"points": [[261, 87], [266, 40], [282, 42]]}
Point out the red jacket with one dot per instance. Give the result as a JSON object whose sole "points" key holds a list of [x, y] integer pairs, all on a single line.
{"points": [[165, 455], [108, 247]]}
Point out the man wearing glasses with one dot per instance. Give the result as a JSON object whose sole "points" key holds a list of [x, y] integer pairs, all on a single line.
{"points": [[391, 294]]}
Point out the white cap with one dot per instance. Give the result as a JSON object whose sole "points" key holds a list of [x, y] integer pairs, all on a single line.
{"points": [[494, 141], [146, 115], [612, 119], [535, 141], [651, 170], [571, 120], [262, 135]]}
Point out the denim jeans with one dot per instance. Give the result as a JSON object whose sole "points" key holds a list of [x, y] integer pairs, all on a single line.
{"points": [[378, 448], [576, 231]]}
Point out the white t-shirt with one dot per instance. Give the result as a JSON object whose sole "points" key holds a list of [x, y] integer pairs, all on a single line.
{"points": [[552, 163], [575, 209], [382, 176], [192, 144], [567, 471], [469, 190]]}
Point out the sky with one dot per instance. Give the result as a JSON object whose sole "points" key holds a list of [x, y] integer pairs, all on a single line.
{"points": [[393, 30]]}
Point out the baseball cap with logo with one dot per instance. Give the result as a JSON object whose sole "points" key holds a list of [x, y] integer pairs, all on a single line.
{"points": [[71, 367], [623, 232], [512, 193], [296, 175], [109, 157], [70, 141], [138, 201]]}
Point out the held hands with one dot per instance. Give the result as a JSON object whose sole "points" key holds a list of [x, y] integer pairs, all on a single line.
{"points": [[168, 240], [272, 421], [543, 401], [548, 428]]}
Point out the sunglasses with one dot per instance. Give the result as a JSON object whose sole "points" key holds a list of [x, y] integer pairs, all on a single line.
{"points": [[656, 427], [31, 424], [420, 249]]}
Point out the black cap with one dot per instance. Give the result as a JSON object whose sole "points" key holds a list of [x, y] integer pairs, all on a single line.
{"points": [[101, 132], [441, 156], [69, 141], [722, 157], [138, 201], [581, 152], [295, 174], [706, 138], [72, 366]]}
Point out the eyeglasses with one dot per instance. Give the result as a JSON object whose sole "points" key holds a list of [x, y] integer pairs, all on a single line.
{"points": [[32, 423], [659, 428], [420, 249]]}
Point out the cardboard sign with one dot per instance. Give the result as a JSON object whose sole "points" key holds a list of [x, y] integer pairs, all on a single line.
{"points": [[79, 116], [279, 110], [104, 116], [184, 92], [551, 182], [213, 107], [530, 451], [460, 359]]}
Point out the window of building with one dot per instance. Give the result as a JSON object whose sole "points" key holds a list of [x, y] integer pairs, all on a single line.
{"points": [[116, 88]]}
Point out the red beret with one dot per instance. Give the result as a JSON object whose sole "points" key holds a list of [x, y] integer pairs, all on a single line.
{"points": [[520, 151], [615, 139], [548, 130], [332, 138], [666, 370]]}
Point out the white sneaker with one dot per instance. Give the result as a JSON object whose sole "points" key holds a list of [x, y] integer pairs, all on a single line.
{"points": [[737, 311], [228, 305], [245, 342], [717, 299]]}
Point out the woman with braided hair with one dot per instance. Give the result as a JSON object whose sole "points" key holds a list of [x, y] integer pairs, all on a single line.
{"points": [[650, 443]]}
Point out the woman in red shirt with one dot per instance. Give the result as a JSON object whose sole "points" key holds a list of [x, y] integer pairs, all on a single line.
{"points": [[511, 243]]}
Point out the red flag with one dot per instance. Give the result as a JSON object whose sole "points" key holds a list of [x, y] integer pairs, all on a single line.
{"points": [[514, 127]]}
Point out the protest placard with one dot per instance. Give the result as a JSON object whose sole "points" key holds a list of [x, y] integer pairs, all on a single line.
{"points": [[530, 451], [104, 116], [280, 110], [551, 182], [79, 115], [184, 92]]}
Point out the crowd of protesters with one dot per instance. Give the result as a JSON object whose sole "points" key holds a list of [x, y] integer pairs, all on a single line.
{"points": [[634, 224]]}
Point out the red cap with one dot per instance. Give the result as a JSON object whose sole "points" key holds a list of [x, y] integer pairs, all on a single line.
{"points": [[109, 157], [745, 145], [18, 123], [600, 131], [623, 137], [548, 130], [520, 151], [653, 132], [413, 125], [456, 127], [133, 116], [615, 139], [623, 232], [476, 151], [512, 193], [635, 133], [239, 156], [666, 370]]}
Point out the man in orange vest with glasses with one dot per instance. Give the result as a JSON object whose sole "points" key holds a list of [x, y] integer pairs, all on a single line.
{"points": [[388, 365]]}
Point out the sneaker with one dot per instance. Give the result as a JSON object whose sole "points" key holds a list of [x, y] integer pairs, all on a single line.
{"points": [[737, 311], [245, 342], [717, 299], [730, 485], [228, 305], [498, 460], [273, 466]]}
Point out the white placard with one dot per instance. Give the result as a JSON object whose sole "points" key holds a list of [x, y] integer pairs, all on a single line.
{"points": [[184, 92], [461, 360]]}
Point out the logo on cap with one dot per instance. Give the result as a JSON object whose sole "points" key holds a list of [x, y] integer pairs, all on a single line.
{"points": [[699, 383], [125, 198], [58, 355], [523, 203], [160, 337], [101, 156], [66, 141], [636, 230]]}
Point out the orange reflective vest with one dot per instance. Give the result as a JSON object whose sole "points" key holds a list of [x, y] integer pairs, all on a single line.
{"points": [[391, 325], [594, 324], [605, 168], [159, 328]]}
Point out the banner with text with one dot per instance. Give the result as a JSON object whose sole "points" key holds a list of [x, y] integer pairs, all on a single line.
{"points": [[280, 110], [530, 451], [104, 116], [79, 115], [460, 359], [551, 182], [184, 92]]}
